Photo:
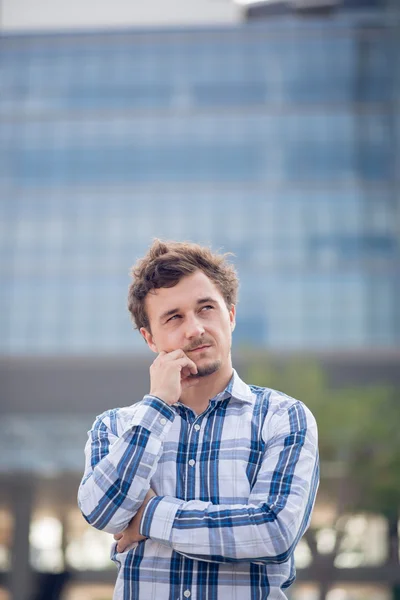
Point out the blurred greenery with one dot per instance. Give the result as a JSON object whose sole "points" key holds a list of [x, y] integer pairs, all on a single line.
{"points": [[359, 433]]}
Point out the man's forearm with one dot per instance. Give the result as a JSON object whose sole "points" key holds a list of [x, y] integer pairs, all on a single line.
{"points": [[228, 533]]}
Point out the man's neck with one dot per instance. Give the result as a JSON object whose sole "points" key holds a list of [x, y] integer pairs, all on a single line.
{"points": [[198, 397]]}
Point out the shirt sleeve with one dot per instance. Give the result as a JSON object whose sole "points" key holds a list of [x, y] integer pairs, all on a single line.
{"points": [[267, 528], [121, 457]]}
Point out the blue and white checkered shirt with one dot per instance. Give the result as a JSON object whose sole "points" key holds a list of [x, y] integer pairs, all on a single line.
{"points": [[235, 489]]}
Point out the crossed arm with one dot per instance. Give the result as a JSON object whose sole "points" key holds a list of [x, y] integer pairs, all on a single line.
{"points": [[115, 492]]}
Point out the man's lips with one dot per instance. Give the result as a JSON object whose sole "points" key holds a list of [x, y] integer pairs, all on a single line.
{"points": [[199, 348]]}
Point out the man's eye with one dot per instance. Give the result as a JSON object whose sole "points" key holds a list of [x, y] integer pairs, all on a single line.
{"points": [[208, 306], [173, 318]]}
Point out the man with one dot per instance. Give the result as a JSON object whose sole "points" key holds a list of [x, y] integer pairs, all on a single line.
{"points": [[207, 483]]}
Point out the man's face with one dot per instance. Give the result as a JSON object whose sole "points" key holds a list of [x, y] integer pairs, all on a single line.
{"points": [[191, 316]]}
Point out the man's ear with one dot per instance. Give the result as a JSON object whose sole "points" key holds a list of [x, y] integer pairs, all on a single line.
{"points": [[232, 317], [149, 339]]}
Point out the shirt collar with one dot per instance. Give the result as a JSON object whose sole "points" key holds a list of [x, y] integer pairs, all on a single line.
{"points": [[236, 389]]}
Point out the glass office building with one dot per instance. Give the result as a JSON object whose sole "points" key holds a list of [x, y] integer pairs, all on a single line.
{"points": [[277, 140]]}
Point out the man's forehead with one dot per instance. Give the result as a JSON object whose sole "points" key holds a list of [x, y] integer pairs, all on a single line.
{"points": [[192, 288]]}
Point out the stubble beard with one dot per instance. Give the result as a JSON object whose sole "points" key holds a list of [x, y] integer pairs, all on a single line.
{"points": [[209, 369]]}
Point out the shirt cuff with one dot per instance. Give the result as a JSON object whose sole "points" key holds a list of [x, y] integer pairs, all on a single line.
{"points": [[153, 414], [158, 518]]}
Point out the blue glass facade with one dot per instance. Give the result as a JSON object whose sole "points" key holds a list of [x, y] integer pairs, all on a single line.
{"points": [[278, 141]]}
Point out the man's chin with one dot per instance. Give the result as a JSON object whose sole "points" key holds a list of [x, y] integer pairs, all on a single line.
{"points": [[208, 369]]}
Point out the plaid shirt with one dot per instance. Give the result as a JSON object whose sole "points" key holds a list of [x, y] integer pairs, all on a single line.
{"points": [[235, 489]]}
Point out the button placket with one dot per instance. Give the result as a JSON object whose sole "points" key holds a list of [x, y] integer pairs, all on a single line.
{"points": [[196, 428], [192, 444]]}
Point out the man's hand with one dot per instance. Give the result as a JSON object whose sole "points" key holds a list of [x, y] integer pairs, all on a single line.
{"points": [[170, 373], [131, 534]]}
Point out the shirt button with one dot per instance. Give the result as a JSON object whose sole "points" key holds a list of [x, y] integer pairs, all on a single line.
{"points": [[197, 427], [191, 463], [163, 421], [186, 593]]}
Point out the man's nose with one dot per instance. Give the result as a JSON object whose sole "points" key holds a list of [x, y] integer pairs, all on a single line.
{"points": [[194, 327]]}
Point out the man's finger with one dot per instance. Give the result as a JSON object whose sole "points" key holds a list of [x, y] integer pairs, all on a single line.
{"points": [[193, 368], [173, 355], [186, 372], [118, 536], [189, 364]]}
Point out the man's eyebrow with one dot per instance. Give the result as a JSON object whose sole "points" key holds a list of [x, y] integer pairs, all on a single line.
{"points": [[206, 299], [173, 311]]}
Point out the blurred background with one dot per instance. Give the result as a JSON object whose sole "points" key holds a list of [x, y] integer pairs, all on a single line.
{"points": [[270, 129]]}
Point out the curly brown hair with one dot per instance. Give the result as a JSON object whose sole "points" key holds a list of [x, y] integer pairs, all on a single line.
{"points": [[166, 263]]}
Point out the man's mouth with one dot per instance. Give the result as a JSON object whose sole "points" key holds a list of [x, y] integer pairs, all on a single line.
{"points": [[199, 348]]}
